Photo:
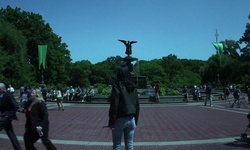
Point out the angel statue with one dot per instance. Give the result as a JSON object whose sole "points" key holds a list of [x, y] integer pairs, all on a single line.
{"points": [[128, 45]]}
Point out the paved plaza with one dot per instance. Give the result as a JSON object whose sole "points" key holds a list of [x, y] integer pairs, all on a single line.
{"points": [[162, 126]]}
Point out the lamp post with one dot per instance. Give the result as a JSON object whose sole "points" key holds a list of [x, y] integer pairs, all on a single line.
{"points": [[42, 76], [218, 47]]}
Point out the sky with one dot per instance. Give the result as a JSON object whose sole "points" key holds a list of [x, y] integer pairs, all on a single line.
{"points": [[185, 28]]}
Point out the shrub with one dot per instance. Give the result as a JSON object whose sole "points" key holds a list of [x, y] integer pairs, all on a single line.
{"points": [[106, 91]]}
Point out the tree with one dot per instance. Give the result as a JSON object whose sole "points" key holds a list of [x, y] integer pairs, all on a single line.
{"points": [[171, 65], [13, 64], [212, 70], [245, 41], [230, 48], [154, 71], [79, 73], [37, 32], [192, 72]]}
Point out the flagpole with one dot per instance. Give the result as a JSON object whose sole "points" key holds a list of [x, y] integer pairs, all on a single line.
{"points": [[216, 35], [42, 82]]}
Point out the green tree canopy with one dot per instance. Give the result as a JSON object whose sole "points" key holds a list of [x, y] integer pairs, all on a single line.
{"points": [[245, 42], [36, 32], [14, 64]]}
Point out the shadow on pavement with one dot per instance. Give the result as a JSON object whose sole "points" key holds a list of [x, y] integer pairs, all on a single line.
{"points": [[240, 143]]}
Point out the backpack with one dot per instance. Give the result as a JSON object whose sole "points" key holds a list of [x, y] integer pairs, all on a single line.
{"points": [[126, 100], [236, 92], [24, 97]]}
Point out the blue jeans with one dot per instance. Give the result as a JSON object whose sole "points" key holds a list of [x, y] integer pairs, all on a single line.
{"points": [[127, 126]]}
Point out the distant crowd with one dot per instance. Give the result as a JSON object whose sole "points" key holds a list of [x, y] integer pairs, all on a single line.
{"points": [[57, 94], [227, 90]]}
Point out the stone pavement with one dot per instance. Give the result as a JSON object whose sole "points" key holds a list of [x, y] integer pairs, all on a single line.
{"points": [[168, 126]]}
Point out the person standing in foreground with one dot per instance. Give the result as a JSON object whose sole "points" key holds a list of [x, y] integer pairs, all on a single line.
{"points": [[8, 108], [37, 123], [208, 94], [124, 109]]}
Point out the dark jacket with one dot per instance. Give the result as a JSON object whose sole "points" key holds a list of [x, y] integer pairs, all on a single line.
{"points": [[209, 89], [37, 116], [123, 103], [8, 106]]}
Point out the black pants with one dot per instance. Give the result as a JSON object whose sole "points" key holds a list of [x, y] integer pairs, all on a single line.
{"points": [[31, 136], [6, 124], [236, 99]]}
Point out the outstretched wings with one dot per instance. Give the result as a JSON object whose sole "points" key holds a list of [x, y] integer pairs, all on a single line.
{"points": [[127, 42], [132, 42], [123, 41]]}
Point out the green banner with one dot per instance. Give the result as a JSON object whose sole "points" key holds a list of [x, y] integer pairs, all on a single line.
{"points": [[219, 48], [42, 50]]}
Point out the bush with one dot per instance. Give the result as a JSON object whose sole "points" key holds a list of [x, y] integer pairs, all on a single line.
{"points": [[174, 92], [99, 87], [162, 91], [106, 91]]}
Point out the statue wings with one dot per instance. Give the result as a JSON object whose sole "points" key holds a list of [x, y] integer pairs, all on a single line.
{"points": [[132, 42], [123, 41], [127, 42]]}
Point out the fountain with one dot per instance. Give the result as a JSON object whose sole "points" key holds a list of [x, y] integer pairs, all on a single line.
{"points": [[140, 81]]}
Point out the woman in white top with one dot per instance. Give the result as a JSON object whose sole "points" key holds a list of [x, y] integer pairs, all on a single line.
{"points": [[59, 99]]}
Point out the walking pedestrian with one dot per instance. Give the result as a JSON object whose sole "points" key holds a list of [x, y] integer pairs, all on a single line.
{"points": [[8, 108], [59, 99], [37, 122], [208, 91], [236, 95], [226, 92]]}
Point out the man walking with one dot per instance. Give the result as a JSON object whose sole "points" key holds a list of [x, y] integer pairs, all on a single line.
{"points": [[208, 94], [8, 109]]}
